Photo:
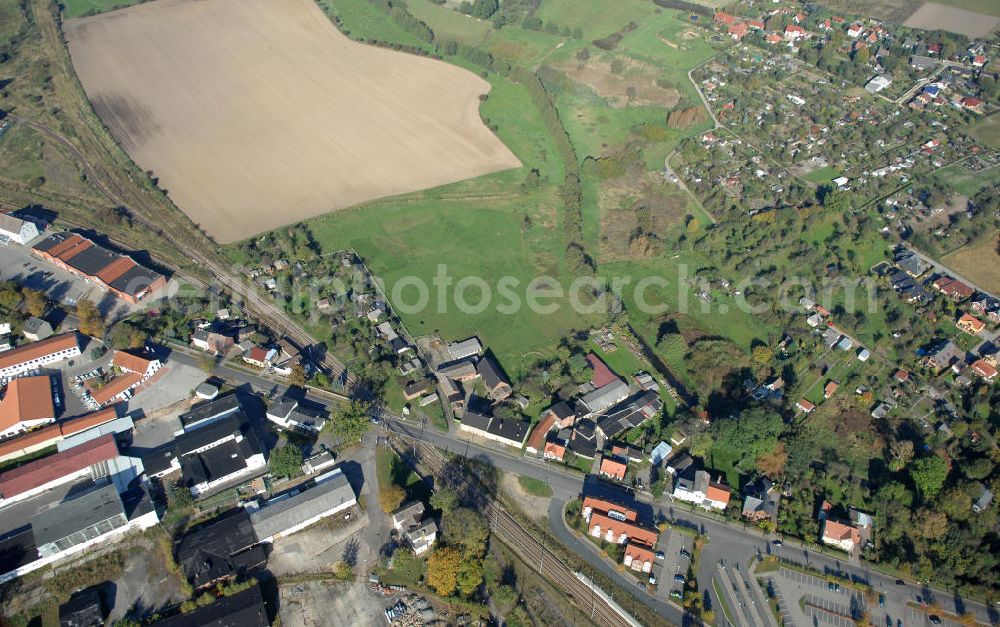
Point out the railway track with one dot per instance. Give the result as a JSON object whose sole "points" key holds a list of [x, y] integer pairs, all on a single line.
{"points": [[592, 602]]}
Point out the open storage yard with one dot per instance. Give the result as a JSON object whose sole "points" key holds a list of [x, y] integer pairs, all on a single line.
{"points": [[254, 114]]}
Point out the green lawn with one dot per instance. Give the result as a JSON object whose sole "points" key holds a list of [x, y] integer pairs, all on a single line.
{"points": [[534, 486], [80, 8], [822, 175], [965, 182]]}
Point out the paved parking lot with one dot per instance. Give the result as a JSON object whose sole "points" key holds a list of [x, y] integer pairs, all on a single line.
{"points": [[808, 600], [671, 544]]}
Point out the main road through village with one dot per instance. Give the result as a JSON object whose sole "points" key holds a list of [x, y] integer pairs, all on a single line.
{"points": [[728, 543]]}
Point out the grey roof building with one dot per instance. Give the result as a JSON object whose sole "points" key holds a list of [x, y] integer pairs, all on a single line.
{"points": [[75, 522], [223, 547], [84, 609], [243, 609], [284, 516], [984, 501], [206, 413], [465, 348], [602, 398]]}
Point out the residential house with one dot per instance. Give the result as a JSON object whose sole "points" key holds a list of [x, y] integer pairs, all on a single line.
{"points": [[582, 439], [659, 453], [216, 343], [679, 464], [536, 441], [562, 413], [805, 406], [222, 548], [697, 487], [984, 501], [258, 357], [840, 535], [26, 404], [497, 386], [36, 355], [555, 451], [511, 432], [953, 289], [630, 413], [419, 532], [760, 501], [970, 324], [613, 468], [877, 84], [984, 370], [943, 355], [830, 389], [416, 389], [639, 557], [288, 413], [615, 527]]}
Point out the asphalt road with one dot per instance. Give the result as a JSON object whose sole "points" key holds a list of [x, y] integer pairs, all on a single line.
{"points": [[728, 543]]}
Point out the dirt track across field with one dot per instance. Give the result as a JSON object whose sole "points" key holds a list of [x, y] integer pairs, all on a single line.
{"points": [[934, 16], [258, 113]]}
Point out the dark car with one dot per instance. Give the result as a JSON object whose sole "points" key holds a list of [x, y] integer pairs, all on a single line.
{"points": [[778, 543], [684, 553], [881, 600], [888, 621], [900, 582], [679, 578], [934, 618]]}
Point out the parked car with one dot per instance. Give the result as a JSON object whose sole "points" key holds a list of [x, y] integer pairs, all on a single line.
{"points": [[660, 555], [881, 602], [934, 618], [685, 553], [641, 585], [888, 621], [778, 543], [900, 582], [679, 578], [652, 580]]}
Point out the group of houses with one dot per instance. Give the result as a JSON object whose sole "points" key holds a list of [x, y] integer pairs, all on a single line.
{"points": [[605, 408], [474, 387]]}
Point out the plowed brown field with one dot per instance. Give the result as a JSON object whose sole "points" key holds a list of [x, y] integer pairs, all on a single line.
{"points": [[258, 113]]}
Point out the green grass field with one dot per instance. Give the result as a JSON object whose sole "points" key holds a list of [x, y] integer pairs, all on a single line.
{"points": [[363, 19], [595, 19], [450, 24], [988, 131], [535, 487], [822, 175], [79, 8], [965, 182]]}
